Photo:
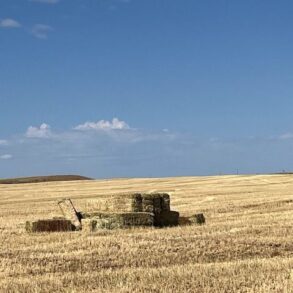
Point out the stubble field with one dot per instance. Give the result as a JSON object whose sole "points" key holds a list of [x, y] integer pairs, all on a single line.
{"points": [[245, 246]]}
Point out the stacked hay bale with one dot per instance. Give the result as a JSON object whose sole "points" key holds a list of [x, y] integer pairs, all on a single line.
{"points": [[138, 209], [159, 205], [120, 211], [49, 225]]}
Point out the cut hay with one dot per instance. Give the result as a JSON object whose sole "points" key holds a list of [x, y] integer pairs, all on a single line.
{"points": [[121, 220], [167, 219], [197, 219], [51, 225], [70, 212]]}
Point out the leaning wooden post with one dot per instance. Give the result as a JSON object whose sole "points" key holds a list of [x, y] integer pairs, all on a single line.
{"points": [[69, 212]]}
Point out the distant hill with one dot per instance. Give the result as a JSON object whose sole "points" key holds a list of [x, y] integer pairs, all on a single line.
{"points": [[38, 179]]}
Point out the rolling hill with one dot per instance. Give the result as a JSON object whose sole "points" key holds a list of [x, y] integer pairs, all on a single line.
{"points": [[38, 179]]}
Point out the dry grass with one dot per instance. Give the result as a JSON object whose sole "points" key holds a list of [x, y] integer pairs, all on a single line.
{"points": [[245, 246]]}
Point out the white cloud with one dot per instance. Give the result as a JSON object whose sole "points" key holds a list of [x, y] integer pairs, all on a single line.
{"points": [[9, 23], [3, 142], [6, 157], [41, 31], [99, 150], [46, 1], [287, 135], [44, 131], [115, 124]]}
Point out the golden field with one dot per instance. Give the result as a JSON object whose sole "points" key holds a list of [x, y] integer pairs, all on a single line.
{"points": [[245, 246]]}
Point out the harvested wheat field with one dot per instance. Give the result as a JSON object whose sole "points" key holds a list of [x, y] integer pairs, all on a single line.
{"points": [[246, 244]]}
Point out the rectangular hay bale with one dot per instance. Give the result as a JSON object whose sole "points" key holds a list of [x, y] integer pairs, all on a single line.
{"points": [[120, 203], [50, 225], [123, 220], [109, 221], [155, 202], [151, 203], [167, 219], [136, 204], [138, 219], [198, 219]]}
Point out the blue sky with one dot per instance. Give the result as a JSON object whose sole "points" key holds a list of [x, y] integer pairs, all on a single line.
{"points": [[134, 88]]}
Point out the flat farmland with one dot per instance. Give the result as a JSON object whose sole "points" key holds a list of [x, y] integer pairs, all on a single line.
{"points": [[245, 246]]}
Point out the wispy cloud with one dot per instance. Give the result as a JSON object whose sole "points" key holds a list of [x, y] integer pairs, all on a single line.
{"points": [[3, 142], [287, 135], [41, 31], [43, 131], [9, 23], [115, 124], [6, 157], [109, 148], [46, 1]]}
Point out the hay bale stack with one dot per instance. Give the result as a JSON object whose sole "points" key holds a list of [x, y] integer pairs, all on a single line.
{"points": [[51, 225], [159, 205], [70, 212], [167, 219], [88, 225], [155, 202], [197, 219], [138, 209]]}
